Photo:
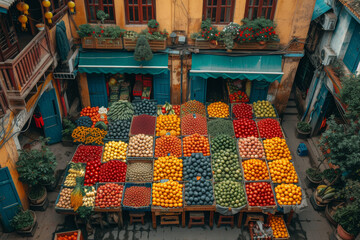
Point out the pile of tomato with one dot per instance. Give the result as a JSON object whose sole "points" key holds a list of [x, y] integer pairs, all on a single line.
{"points": [[259, 194], [66, 236], [245, 127], [269, 128], [85, 153], [196, 144]]}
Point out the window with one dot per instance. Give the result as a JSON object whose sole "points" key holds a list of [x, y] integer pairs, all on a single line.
{"points": [[260, 8], [92, 6], [139, 11], [219, 11]]}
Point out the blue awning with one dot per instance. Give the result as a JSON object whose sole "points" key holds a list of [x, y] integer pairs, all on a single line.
{"points": [[320, 8], [3, 10], [262, 68], [121, 62]]}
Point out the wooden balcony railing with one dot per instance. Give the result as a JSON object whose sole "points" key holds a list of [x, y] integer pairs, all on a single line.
{"points": [[3, 103], [20, 74]]}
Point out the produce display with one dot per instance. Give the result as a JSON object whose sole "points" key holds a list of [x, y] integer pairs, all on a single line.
{"points": [[137, 196], [230, 194], [278, 227], [282, 170], [145, 107], [288, 194], [192, 107], [75, 170], [113, 171], [143, 124], [197, 167], [141, 146], [89, 197], [121, 110], [251, 147], [199, 192], [73, 236], [259, 194], [64, 198], [225, 164], [176, 109], [196, 144], [88, 135], [168, 194], [242, 110], [168, 167], [223, 142], [238, 96], [269, 128], [245, 127], [109, 195], [220, 126], [86, 153], [139, 171], [193, 123], [166, 109], [118, 129], [255, 169], [102, 124], [115, 150], [264, 109], [168, 124], [92, 172], [218, 110], [84, 121], [276, 148], [168, 145], [89, 111]]}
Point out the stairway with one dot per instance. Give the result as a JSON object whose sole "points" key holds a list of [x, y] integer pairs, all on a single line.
{"points": [[291, 106]]}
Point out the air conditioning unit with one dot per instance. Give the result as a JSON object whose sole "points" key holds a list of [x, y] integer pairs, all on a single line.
{"points": [[328, 21], [327, 55], [67, 66]]}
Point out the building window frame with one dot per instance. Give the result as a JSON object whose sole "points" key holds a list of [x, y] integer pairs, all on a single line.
{"points": [[250, 6], [140, 13], [100, 6], [218, 8]]}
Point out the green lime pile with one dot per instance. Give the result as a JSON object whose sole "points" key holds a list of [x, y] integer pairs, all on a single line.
{"points": [[264, 109]]}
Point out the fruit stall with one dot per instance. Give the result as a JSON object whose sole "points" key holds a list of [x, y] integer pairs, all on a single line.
{"points": [[182, 162]]}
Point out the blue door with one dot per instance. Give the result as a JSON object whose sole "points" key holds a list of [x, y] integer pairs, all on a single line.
{"points": [[162, 88], [51, 115], [320, 108], [198, 89], [352, 55], [9, 199], [97, 90], [259, 90]]}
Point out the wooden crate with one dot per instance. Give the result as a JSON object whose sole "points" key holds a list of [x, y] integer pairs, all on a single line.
{"points": [[155, 45], [249, 45], [63, 234], [129, 44], [108, 43], [88, 42], [204, 44]]}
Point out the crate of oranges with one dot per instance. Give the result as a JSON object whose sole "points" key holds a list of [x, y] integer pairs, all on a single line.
{"points": [[167, 195], [255, 170], [288, 194], [276, 148], [195, 144], [278, 227], [168, 124], [168, 167], [283, 171], [218, 110]]}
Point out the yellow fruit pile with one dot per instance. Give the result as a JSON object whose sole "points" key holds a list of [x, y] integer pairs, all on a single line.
{"points": [[168, 194], [168, 124], [218, 110], [288, 194], [114, 150], [282, 171], [276, 148], [168, 167], [278, 227]]}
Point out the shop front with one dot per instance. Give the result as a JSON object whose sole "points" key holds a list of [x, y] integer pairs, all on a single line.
{"points": [[232, 78]]}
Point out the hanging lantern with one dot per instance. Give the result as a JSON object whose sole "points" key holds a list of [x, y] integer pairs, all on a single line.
{"points": [[23, 20], [19, 6], [48, 16], [46, 3], [71, 6], [25, 8]]}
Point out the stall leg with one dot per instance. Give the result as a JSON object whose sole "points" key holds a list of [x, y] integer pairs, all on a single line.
{"points": [[120, 219], [289, 218], [183, 219], [211, 219], [240, 217], [153, 220]]}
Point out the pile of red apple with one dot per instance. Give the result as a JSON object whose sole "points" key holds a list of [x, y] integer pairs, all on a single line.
{"points": [[113, 171], [109, 195], [269, 128], [92, 172], [245, 127], [259, 194], [242, 110]]}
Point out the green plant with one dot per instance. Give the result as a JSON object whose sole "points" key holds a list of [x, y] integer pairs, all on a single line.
{"points": [[84, 212], [349, 218], [338, 68], [229, 34], [208, 32], [153, 24], [261, 29], [68, 128], [36, 192], [85, 30], [113, 32], [142, 50], [131, 35], [303, 127], [314, 174], [350, 95], [195, 35], [36, 167], [330, 174], [23, 219], [159, 35], [102, 16]]}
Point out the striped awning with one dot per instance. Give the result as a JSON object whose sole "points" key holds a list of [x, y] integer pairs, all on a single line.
{"points": [[5, 5]]}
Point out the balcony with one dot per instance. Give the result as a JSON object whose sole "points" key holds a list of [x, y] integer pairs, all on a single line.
{"points": [[20, 74]]}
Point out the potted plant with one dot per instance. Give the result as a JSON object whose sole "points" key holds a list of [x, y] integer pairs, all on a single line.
{"points": [[348, 219], [130, 38], [303, 130], [153, 25], [262, 30], [313, 177], [24, 222], [210, 33], [109, 37], [102, 16], [142, 50], [40, 26], [68, 128], [86, 32], [157, 40], [330, 176], [229, 34]]}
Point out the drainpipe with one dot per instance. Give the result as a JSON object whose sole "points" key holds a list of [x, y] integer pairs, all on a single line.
{"points": [[181, 75]]}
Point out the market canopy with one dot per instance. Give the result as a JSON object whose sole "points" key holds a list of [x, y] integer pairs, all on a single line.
{"points": [[320, 8], [121, 62], [260, 67]]}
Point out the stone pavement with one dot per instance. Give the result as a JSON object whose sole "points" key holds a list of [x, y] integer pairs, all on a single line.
{"points": [[309, 224]]}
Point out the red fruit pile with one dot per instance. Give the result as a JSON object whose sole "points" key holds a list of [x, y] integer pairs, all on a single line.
{"points": [[259, 194], [269, 128], [137, 196], [242, 110], [86, 153], [245, 127], [109, 195], [193, 106], [92, 172], [193, 123], [166, 145], [113, 171], [143, 124], [176, 109], [89, 111]]}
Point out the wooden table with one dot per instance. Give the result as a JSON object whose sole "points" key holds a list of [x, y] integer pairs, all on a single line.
{"points": [[199, 208], [111, 210], [155, 211]]}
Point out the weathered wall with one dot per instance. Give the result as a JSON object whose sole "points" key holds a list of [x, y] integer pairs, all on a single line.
{"points": [[342, 34], [83, 90], [52, 32]]}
